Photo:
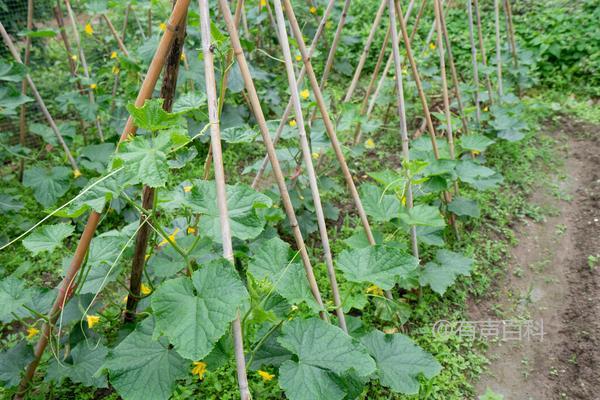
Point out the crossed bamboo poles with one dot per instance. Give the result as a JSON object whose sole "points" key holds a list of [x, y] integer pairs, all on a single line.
{"points": [[174, 23]]}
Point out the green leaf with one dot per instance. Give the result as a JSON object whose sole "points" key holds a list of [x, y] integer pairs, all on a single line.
{"points": [[441, 273], [141, 368], [96, 156], [359, 239], [422, 215], [478, 176], [462, 206], [151, 116], [145, 161], [39, 33], [10, 99], [242, 202], [325, 346], [380, 265], [47, 238], [390, 180], [475, 142], [239, 134], [67, 130], [86, 361], [12, 72], [382, 207], [9, 204], [306, 382], [13, 295], [95, 198], [13, 362], [271, 261], [189, 102], [48, 185], [195, 312], [400, 361]]}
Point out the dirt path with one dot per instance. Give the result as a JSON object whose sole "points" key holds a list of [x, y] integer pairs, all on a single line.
{"points": [[550, 279]]}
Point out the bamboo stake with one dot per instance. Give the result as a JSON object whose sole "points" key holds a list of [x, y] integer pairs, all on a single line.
{"points": [[513, 43], [138, 23], [498, 48], [66, 285], [417, 79], [115, 35], [125, 22], [262, 123], [23, 111], [65, 39], [167, 92], [13, 50], [307, 154], [432, 29], [149, 20], [157, 62], [365, 103], [453, 73], [488, 80], [402, 117], [474, 63], [440, 43], [86, 72], [288, 108], [365, 52], [419, 15], [332, 50], [213, 113]]}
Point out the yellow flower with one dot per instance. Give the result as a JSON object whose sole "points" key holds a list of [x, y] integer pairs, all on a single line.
{"points": [[88, 29], [93, 86], [113, 55], [115, 70], [298, 57], [77, 173], [162, 26], [375, 290], [369, 144], [187, 189], [405, 70], [182, 56], [315, 155], [475, 152], [191, 230], [146, 257], [390, 331], [432, 46], [125, 299], [403, 200], [74, 57], [199, 369], [313, 10], [171, 238], [31, 332], [328, 25], [263, 3], [485, 108], [265, 375], [304, 94], [92, 320], [292, 123], [145, 289]]}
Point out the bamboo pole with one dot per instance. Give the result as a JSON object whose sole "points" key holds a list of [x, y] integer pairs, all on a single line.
{"points": [[454, 74], [112, 29], [23, 111], [498, 48], [474, 63], [288, 108], [419, 15], [262, 123], [513, 43], [365, 103], [66, 285], [149, 19], [86, 71], [125, 22], [307, 154], [488, 80], [446, 98], [402, 117], [13, 50], [432, 29], [331, 55], [365, 52], [213, 113], [446, 195], [167, 92]]}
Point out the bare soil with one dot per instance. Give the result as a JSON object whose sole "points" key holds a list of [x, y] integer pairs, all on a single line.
{"points": [[550, 279]]}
